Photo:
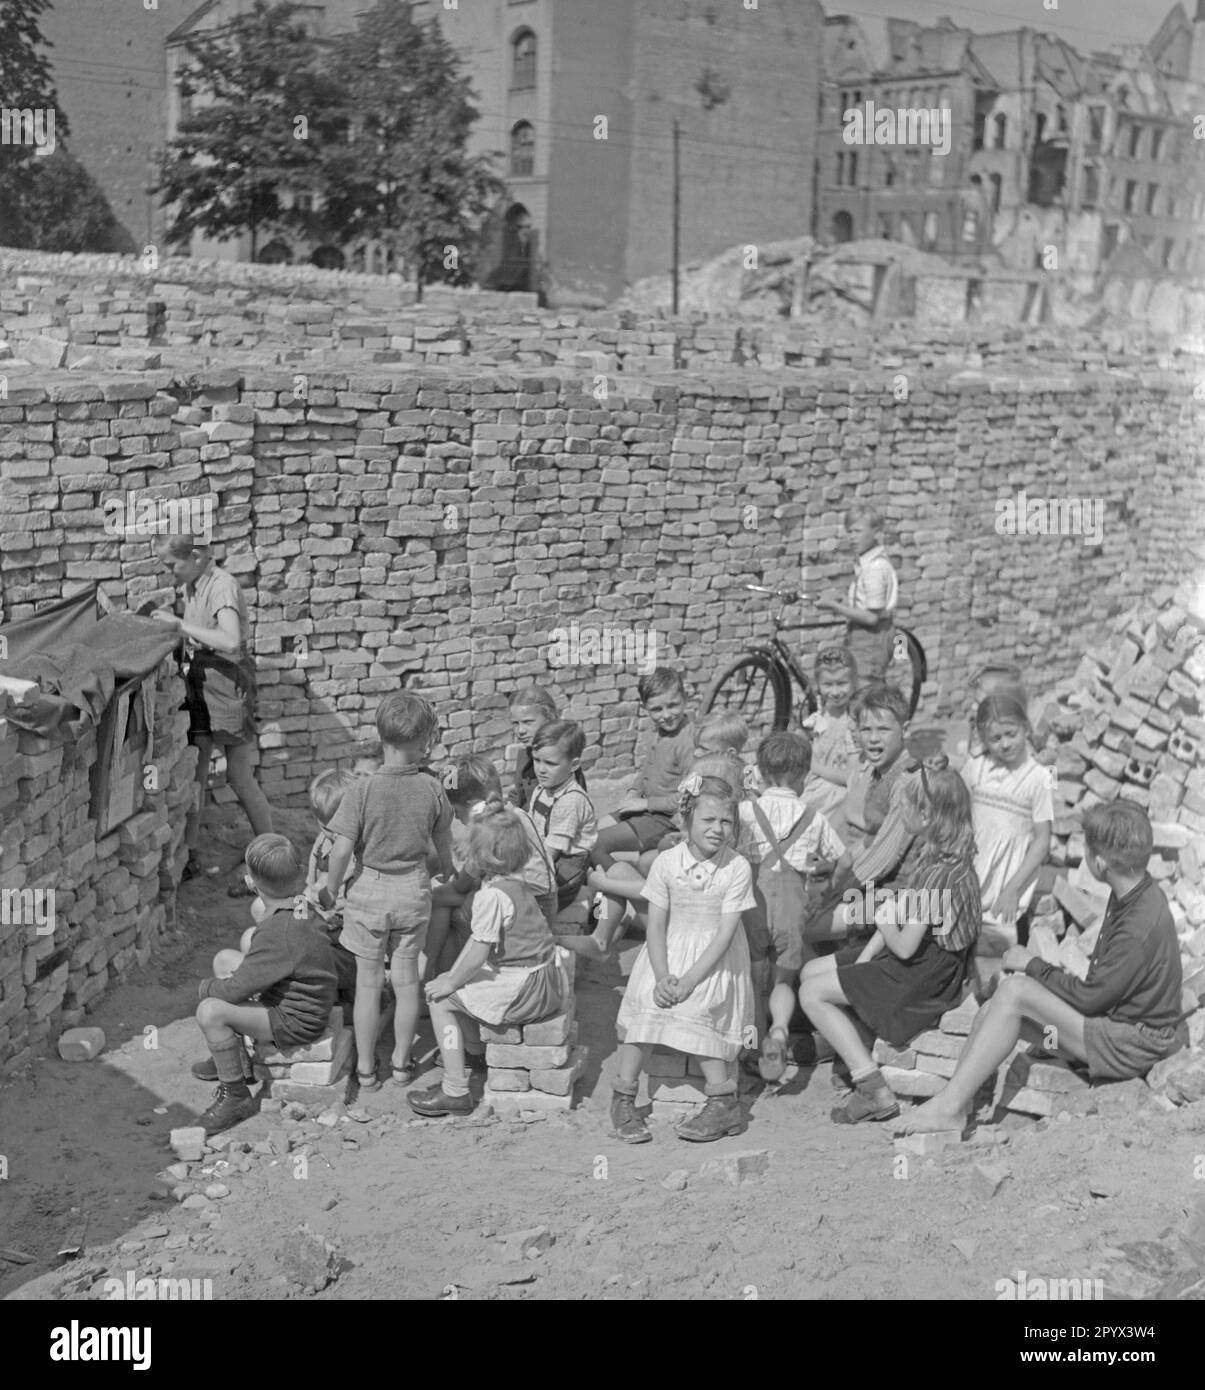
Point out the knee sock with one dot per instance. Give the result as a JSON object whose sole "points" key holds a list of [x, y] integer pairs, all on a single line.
{"points": [[232, 1064], [720, 1088]]}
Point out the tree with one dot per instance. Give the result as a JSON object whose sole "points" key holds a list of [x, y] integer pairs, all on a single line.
{"points": [[403, 176], [64, 209], [25, 83], [267, 105]]}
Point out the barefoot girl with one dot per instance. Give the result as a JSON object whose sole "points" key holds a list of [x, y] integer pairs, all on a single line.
{"points": [[690, 987], [912, 969]]}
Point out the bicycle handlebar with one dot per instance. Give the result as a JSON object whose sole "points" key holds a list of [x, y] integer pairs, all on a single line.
{"points": [[787, 595]]}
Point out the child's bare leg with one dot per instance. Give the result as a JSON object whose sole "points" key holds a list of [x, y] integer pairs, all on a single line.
{"points": [[621, 880], [824, 1002], [366, 1013], [403, 973], [597, 945], [782, 1002], [716, 1072], [449, 1034], [997, 1028], [437, 935], [633, 1058]]}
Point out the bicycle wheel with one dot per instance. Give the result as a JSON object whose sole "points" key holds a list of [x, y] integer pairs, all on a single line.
{"points": [[755, 687], [907, 668]]}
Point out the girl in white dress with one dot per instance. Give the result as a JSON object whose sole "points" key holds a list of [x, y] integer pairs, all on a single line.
{"points": [[690, 988], [1013, 809]]}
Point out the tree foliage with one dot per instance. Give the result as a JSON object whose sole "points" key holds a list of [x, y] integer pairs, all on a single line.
{"points": [[385, 115]]}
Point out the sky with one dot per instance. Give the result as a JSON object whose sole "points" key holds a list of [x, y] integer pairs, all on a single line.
{"points": [[1088, 25]]}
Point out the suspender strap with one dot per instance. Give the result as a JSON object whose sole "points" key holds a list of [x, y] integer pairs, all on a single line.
{"points": [[778, 848]]}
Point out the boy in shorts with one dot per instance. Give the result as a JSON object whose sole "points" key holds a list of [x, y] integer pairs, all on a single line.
{"points": [[387, 820], [1123, 1017], [282, 991], [869, 607]]}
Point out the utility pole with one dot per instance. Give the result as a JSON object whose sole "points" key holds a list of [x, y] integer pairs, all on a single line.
{"points": [[677, 172]]}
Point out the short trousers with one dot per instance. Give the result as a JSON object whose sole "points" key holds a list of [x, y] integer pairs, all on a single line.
{"points": [[570, 877], [387, 915], [287, 1032], [1118, 1051], [649, 827]]}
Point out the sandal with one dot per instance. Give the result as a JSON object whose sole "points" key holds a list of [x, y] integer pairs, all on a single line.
{"points": [[368, 1081], [772, 1062], [402, 1076]]}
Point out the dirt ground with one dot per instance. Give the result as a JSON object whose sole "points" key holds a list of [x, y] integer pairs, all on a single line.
{"points": [[412, 1208]]}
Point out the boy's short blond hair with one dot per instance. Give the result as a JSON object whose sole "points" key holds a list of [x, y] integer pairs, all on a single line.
{"points": [[274, 864], [729, 729], [857, 510], [326, 792]]}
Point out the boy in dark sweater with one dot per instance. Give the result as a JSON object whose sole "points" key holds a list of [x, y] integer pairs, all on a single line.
{"points": [[1123, 1017], [282, 991]]}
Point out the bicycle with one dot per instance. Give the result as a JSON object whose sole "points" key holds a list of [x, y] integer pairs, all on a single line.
{"points": [[770, 672]]}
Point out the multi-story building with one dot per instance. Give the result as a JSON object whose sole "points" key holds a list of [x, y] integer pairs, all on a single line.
{"points": [[918, 191], [578, 102]]}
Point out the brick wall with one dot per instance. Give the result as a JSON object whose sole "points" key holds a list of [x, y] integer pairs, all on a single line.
{"points": [[439, 526], [113, 897]]}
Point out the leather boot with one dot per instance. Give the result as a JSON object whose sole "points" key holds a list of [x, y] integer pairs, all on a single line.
{"points": [[872, 1099], [626, 1123], [720, 1116]]}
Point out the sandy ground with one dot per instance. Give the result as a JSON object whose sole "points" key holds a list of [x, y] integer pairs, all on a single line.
{"points": [[417, 1209]]}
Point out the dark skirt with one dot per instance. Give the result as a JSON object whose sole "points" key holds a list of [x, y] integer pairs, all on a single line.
{"points": [[900, 998]]}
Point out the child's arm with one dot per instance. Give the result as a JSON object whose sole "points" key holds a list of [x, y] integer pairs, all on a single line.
{"points": [[1007, 905], [874, 947], [902, 939], [710, 958], [266, 963], [441, 836], [468, 962], [336, 869], [1117, 965]]}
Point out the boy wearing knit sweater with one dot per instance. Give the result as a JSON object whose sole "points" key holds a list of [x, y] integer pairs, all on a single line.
{"points": [[283, 989], [1123, 1017]]}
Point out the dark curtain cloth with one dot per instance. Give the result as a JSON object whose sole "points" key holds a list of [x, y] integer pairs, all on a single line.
{"points": [[78, 662]]}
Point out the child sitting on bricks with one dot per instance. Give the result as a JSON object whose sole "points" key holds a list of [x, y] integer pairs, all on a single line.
{"points": [[282, 991], [912, 969], [475, 790], [1125, 1016], [791, 847], [531, 708], [506, 974], [326, 792], [690, 987], [719, 740], [833, 732], [563, 813], [646, 813], [388, 821], [874, 822]]}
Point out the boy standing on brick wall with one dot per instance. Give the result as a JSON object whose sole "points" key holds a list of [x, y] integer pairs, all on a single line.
{"points": [[1123, 1017], [870, 605]]}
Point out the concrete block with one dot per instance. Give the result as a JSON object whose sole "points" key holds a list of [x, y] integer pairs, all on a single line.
{"points": [[666, 1064], [188, 1144], [884, 1053], [1046, 1075], [532, 1058], [737, 1168], [925, 1144], [325, 1073], [958, 1021], [683, 1089], [560, 1081], [502, 1079], [935, 1043], [81, 1044], [515, 1102], [551, 1032], [306, 1094], [511, 1035], [320, 1050], [936, 1066], [912, 1083]]}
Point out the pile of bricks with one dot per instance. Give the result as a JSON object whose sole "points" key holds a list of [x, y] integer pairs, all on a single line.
{"points": [[78, 912], [534, 1067], [675, 1083], [920, 1070], [1131, 723], [298, 1073]]}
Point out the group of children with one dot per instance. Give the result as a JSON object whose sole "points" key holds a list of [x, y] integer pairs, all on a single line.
{"points": [[834, 873]]}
